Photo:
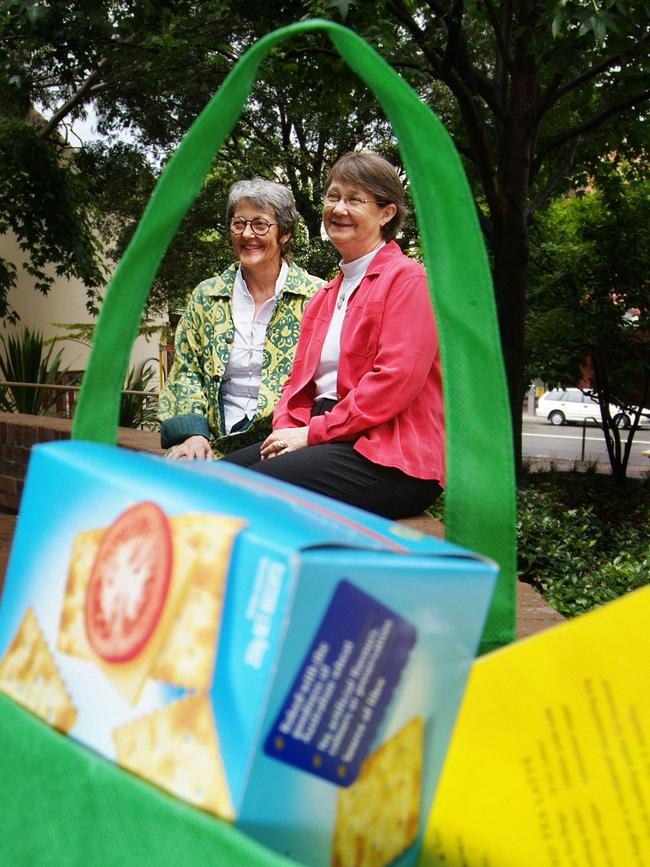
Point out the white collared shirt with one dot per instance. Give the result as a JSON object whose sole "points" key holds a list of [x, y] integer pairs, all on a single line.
{"points": [[241, 378], [326, 376]]}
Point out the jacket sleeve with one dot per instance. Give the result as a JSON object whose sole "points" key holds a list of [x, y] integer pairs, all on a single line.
{"points": [[183, 402], [407, 346]]}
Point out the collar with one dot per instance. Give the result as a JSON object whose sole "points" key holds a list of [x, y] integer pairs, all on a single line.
{"points": [[241, 287], [295, 283], [358, 267], [383, 255]]}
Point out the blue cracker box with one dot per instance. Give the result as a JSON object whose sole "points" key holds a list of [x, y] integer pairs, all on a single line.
{"points": [[283, 661]]}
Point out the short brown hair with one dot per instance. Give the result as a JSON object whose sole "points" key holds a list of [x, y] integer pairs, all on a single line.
{"points": [[371, 172]]}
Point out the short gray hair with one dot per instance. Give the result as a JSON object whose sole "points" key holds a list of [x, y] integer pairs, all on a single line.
{"points": [[265, 195]]}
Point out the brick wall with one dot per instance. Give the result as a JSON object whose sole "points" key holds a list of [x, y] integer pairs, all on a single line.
{"points": [[18, 433]]}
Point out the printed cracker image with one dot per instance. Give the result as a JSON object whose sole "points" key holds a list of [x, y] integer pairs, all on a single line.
{"points": [[29, 675], [187, 656], [377, 816], [71, 637], [178, 749], [143, 598]]}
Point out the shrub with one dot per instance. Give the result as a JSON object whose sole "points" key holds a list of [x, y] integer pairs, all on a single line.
{"points": [[582, 541], [24, 358]]}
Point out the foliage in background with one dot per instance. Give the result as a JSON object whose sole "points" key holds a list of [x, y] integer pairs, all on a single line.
{"points": [[582, 540], [137, 411], [83, 332], [590, 267], [25, 358], [56, 56], [288, 133], [533, 93], [45, 203]]}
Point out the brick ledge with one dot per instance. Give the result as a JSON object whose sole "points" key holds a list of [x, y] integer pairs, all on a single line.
{"points": [[19, 432]]}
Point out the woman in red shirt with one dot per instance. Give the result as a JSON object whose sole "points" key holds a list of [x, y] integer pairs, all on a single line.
{"points": [[360, 417]]}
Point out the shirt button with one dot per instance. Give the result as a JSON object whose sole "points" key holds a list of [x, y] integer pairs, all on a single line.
{"points": [[229, 339]]}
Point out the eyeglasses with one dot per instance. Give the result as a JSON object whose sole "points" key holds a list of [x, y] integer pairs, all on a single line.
{"points": [[258, 225], [352, 203]]}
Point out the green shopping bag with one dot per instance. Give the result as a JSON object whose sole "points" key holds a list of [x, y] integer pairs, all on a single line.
{"points": [[480, 488], [96, 814]]}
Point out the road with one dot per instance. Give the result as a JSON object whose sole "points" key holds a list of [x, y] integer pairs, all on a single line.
{"points": [[541, 439]]}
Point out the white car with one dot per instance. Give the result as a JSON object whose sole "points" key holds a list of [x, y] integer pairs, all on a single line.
{"points": [[562, 405]]}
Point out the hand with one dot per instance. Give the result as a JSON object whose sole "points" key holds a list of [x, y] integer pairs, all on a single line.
{"points": [[195, 448], [280, 442]]}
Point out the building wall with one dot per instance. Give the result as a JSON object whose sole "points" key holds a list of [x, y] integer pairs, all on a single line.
{"points": [[65, 302]]}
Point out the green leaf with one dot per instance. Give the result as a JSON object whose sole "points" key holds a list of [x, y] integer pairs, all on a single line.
{"points": [[558, 22], [600, 29]]}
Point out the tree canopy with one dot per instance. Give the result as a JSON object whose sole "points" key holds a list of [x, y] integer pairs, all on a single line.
{"points": [[533, 92], [590, 296], [536, 91]]}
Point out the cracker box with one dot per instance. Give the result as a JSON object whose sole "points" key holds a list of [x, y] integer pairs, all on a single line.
{"points": [[281, 661]]}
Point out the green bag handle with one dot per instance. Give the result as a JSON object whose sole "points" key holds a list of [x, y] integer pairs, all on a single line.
{"points": [[480, 489]]}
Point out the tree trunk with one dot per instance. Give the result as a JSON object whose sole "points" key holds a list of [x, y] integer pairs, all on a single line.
{"points": [[514, 141], [510, 248]]}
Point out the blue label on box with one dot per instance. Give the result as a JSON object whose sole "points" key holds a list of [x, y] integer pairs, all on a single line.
{"points": [[343, 687]]}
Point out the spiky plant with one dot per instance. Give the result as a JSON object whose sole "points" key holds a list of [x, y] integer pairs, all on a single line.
{"points": [[25, 357], [136, 410]]}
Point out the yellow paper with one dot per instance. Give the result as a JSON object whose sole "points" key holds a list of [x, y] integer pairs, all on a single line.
{"points": [[549, 763]]}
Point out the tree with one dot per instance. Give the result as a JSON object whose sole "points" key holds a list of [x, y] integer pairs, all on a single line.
{"points": [[61, 56], [44, 202], [539, 90], [291, 130], [151, 71], [533, 92], [43, 199], [589, 310]]}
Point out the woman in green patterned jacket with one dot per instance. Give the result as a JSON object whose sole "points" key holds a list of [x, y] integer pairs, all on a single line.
{"points": [[236, 339]]}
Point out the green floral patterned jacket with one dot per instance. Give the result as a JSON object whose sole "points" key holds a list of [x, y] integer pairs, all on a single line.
{"points": [[190, 400]]}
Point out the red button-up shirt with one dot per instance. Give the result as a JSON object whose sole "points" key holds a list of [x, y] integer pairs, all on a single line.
{"points": [[389, 383]]}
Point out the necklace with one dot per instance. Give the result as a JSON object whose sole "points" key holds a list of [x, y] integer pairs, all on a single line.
{"points": [[344, 292]]}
